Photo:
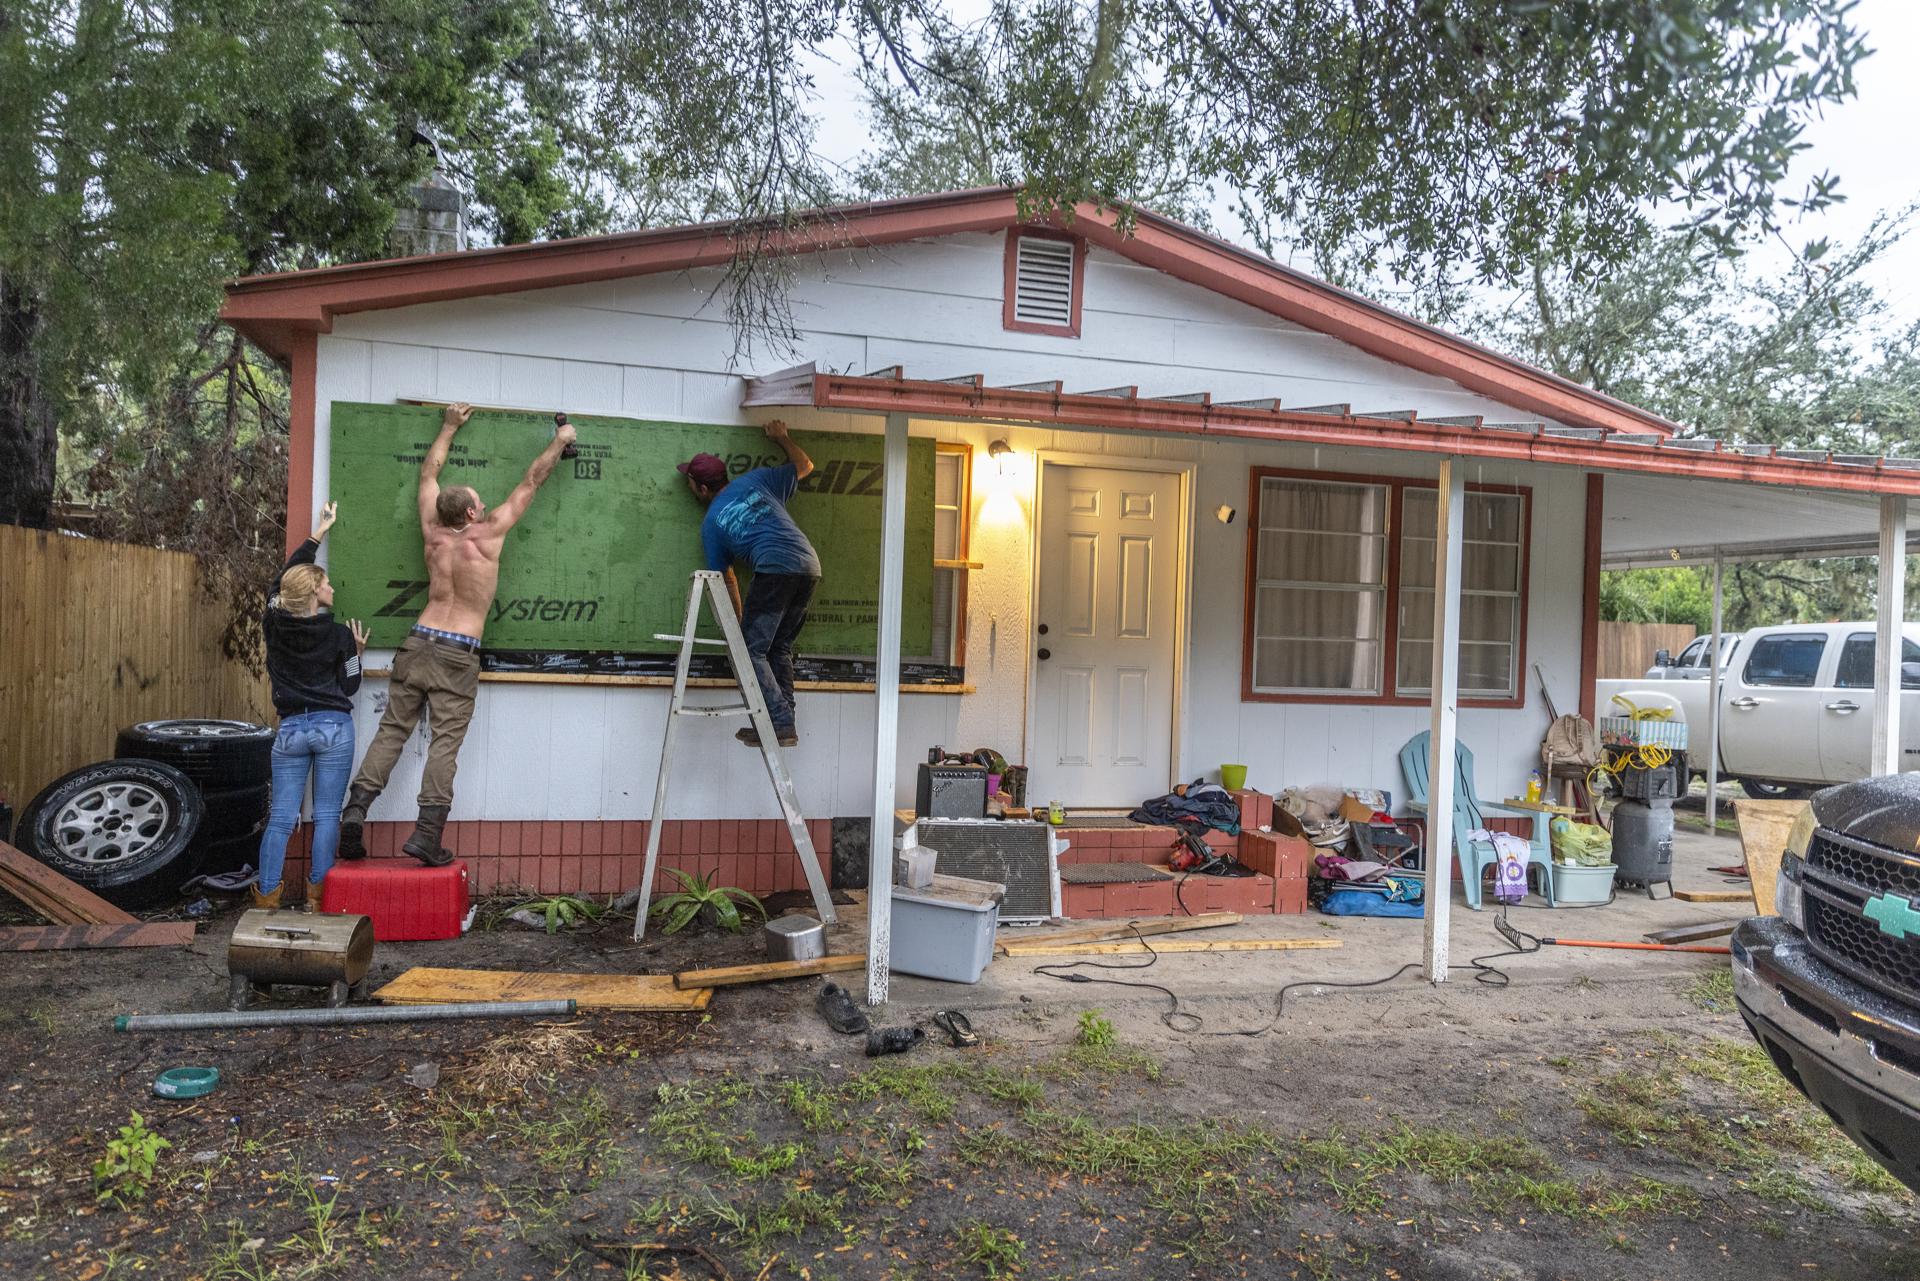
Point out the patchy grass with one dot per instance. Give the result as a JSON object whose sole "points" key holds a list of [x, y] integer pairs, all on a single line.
{"points": [[1712, 991], [1096, 1030], [996, 1251]]}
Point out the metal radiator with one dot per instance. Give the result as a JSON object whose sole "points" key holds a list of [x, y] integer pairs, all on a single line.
{"points": [[1020, 856]]}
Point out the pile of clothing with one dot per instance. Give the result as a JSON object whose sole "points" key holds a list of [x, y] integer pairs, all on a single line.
{"points": [[1193, 807]]}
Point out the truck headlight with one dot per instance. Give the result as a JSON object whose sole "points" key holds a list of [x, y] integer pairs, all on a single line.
{"points": [[1789, 903], [1800, 835]]}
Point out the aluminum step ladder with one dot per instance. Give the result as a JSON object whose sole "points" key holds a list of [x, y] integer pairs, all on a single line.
{"points": [[711, 586]]}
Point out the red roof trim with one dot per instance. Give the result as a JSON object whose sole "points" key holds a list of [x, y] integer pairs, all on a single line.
{"points": [[270, 309], [948, 400]]}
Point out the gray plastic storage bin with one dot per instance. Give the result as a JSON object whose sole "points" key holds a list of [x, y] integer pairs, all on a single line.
{"points": [[946, 930]]}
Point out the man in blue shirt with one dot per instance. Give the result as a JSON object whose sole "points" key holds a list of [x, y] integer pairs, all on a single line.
{"points": [[747, 522]]}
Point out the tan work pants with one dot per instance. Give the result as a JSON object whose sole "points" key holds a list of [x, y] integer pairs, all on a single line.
{"points": [[442, 679]]}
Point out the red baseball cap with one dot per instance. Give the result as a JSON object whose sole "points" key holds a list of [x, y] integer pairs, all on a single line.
{"points": [[706, 470]]}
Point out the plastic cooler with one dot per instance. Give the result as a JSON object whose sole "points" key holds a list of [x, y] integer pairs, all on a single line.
{"points": [[405, 899], [945, 931]]}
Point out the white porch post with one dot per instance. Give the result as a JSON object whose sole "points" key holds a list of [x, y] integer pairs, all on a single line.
{"points": [[886, 712], [1713, 708], [1449, 538], [1890, 611]]}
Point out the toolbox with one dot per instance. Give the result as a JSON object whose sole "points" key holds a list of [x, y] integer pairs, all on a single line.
{"points": [[406, 900]]}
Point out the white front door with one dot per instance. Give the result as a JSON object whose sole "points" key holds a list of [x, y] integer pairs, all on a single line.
{"points": [[1103, 635]]}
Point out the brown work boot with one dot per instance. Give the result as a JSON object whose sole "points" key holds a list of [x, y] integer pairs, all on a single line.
{"points": [[269, 902], [353, 816], [312, 903], [424, 844]]}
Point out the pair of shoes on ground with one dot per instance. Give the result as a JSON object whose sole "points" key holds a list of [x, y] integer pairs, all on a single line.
{"points": [[842, 1015], [751, 737], [273, 900]]}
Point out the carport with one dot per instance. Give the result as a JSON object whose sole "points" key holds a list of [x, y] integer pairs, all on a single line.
{"points": [[1656, 522]]}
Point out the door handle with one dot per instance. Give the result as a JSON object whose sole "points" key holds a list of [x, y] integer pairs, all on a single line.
{"points": [[1843, 706], [1745, 704], [1045, 654]]}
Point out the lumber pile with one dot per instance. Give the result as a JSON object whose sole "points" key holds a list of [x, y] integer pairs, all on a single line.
{"points": [[53, 895], [81, 918]]}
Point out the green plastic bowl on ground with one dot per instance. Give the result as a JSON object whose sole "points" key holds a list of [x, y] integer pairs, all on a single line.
{"points": [[1233, 777], [186, 1082]]}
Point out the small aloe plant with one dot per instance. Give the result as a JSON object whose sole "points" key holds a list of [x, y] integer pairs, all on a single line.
{"points": [[723, 905]]}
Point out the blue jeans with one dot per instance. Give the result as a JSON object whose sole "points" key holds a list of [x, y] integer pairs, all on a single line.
{"points": [[322, 741], [775, 609]]}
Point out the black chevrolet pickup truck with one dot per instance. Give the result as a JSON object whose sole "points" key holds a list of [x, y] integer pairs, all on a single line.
{"points": [[1830, 987]]}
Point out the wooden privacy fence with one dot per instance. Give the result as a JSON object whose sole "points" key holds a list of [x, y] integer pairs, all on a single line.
{"points": [[95, 636], [1626, 649]]}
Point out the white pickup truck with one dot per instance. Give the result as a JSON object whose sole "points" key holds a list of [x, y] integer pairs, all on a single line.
{"points": [[1796, 706]]}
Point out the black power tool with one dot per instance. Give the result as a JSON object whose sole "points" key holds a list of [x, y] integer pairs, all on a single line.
{"points": [[567, 450]]}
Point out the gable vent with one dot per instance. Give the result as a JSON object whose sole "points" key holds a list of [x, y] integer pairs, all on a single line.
{"points": [[1043, 282]]}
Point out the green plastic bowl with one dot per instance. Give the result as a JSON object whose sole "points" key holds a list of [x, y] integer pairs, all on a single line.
{"points": [[1233, 777], [186, 1082]]}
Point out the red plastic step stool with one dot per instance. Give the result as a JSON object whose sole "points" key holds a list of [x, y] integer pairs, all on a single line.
{"points": [[406, 900]]}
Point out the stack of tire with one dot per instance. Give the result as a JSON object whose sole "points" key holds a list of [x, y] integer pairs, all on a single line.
{"points": [[231, 762], [182, 797]]}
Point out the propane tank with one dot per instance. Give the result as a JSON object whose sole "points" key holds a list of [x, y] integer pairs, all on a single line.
{"points": [[1643, 843]]}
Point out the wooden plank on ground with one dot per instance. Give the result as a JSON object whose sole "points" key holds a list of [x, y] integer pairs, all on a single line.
{"points": [[77, 905], [1137, 947], [1714, 896], [49, 938], [425, 985], [1764, 826], [1013, 942], [1692, 933], [768, 971]]}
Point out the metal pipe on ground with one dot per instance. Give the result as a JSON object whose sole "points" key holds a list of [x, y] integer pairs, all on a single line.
{"points": [[328, 1018]]}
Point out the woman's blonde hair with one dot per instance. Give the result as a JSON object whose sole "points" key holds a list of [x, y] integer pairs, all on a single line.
{"points": [[300, 589]]}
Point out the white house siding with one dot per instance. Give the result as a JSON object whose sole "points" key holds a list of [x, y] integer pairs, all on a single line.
{"points": [[660, 347]]}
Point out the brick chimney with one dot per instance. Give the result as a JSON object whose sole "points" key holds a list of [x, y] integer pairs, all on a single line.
{"points": [[431, 217]]}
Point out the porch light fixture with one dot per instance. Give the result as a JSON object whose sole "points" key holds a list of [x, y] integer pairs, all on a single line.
{"points": [[998, 452], [1224, 513]]}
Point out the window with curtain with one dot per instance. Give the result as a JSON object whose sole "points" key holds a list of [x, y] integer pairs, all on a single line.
{"points": [[1491, 562], [1341, 590], [1320, 586], [950, 495]]}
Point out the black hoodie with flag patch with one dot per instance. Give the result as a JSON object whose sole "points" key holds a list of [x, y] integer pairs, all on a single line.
{"points": [[312, 661]]}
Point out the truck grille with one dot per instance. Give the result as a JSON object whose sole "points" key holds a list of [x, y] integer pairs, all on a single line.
{"points": [[1841, 874], [1869, 867], [1855, 946]]}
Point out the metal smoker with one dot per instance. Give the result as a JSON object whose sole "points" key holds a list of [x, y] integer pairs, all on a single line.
{"points": [[333, 951]]}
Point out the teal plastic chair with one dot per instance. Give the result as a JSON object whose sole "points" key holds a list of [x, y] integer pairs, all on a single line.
{"points": [[1469, 814]]}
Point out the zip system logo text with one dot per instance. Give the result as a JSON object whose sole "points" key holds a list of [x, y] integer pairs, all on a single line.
{"points": [[410, 596]]}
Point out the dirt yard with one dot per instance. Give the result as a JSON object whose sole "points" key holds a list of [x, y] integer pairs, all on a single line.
{"points": [[1606, 1120]]}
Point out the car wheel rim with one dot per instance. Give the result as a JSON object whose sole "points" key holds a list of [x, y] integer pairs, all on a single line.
{"points": [[110, 823], [206, 729]]}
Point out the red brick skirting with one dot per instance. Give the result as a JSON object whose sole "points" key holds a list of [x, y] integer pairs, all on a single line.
{"points": [[596, 857]]}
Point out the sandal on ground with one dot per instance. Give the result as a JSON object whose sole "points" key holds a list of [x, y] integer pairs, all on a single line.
{"points": [[957, 1027]]}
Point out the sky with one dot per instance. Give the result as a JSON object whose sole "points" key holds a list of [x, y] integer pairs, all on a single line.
{"points": [[1872, 142]]}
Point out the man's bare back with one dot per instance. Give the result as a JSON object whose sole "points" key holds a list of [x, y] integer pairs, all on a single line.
{"points": [[463, 539], [463, 572]]}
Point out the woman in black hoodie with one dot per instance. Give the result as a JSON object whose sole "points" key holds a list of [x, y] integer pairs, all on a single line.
{"points": [[314, 666]]}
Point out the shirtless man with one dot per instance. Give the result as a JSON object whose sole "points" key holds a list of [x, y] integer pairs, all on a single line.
{"points": [[438, 666]]}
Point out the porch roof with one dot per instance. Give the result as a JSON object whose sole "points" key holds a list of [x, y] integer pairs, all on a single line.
{"points": [[1642, 454]]}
